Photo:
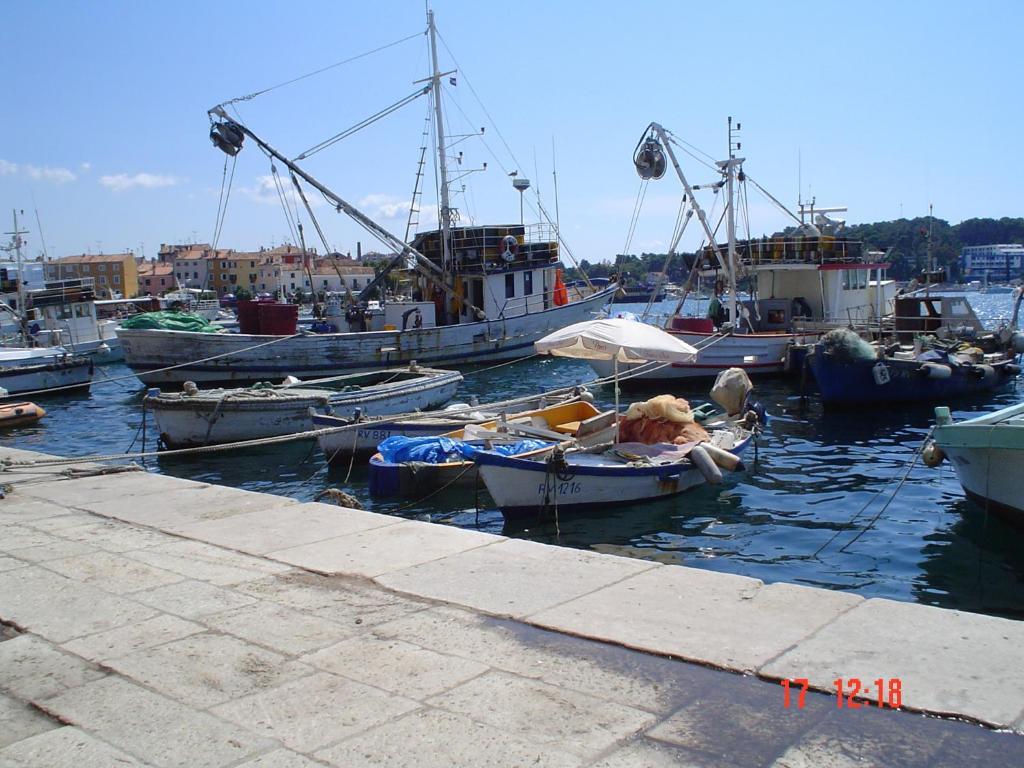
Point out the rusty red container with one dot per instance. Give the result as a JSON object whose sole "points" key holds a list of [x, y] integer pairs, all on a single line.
{"points": [[278, 319], [248, 316]]}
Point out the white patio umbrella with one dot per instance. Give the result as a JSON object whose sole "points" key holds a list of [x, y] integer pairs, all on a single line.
{"points": [[619, 340]]}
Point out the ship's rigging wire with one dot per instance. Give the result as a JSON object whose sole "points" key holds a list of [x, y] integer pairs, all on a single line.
{"points": [[222, 203], [250, 96], [363, 123]]}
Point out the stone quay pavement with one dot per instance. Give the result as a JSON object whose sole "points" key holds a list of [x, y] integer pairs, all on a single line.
{"points": [[154, 621]]}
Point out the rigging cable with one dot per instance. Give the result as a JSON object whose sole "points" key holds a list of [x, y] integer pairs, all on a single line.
{"points": [[349, 60]]}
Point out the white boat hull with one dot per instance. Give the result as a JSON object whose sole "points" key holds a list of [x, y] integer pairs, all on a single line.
{"points": [[523, 490], [757, 354], [62, 376], [208, 422], [991, 476], [248, 358]]}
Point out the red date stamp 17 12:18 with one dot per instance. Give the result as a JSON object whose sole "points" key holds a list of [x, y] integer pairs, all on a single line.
{"points": [[850, 692]]}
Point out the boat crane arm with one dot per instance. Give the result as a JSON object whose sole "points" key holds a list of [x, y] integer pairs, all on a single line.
{"points": [[404, 251]]}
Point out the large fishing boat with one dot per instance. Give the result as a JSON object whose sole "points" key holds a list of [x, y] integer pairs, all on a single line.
{"points": [[480, 294], [799, 284]]}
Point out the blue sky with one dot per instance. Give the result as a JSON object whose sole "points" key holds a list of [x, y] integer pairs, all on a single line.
{"points": [[890, 106]]}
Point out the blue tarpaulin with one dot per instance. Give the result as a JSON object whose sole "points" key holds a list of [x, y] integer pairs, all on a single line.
{"points": [[437, 450]]}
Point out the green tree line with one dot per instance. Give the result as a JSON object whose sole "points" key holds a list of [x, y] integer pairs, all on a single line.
{"points": [[908, 239]]}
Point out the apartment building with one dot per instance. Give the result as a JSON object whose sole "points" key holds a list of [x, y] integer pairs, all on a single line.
{"points": [[113, 274]]}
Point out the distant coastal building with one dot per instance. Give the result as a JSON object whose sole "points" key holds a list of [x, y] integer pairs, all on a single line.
{"points": [[155, 278], [113, 274], [997, 262]]}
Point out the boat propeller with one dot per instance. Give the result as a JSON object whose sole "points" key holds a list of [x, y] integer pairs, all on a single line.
{"points": [[227, 137], [649, 159]]}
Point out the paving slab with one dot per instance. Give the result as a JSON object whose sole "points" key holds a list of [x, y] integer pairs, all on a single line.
{"points": [[544, 714], [16, 507], [10, 563], [60, 523], [169, 734], [180, 504], [60, 609], [957, 662], [316, 711], [204, 562], [279, 628], [282, 758], [56, 549], [19, 721], [352, 603], [698, 615], [204, 670], [192, 599], [112, 572], [129, 638], [644, 753], [80, 492], [277, 528], [371, 553], [22, 536], [514, 577], [31, 668], [66, 748], [112, 535], [431, 738], [639, 680], [395, 666]]}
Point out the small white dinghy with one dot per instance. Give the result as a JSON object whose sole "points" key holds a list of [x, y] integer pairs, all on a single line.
{"points": [[37, 369], [196, 417]]}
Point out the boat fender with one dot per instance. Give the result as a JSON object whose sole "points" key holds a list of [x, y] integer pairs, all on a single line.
{"points": [[703, 461], [982, 371], [881, 373], [721, 457], [932, 455], [190, 388], [935, 371]]}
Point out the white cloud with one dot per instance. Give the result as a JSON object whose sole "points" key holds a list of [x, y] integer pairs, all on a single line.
{"points": [[380, 206], [119, 182], [57, 175], [46, 173], [265, 191], [85, 167]]}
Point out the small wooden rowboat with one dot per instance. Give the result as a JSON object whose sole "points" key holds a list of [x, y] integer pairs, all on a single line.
{"points": [[577, 421], [19, 414]]}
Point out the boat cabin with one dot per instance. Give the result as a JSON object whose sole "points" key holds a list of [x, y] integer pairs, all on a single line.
{"points": [[500, 271], [808, 280]]}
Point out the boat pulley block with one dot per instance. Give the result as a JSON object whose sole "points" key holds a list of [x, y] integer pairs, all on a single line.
{"points": [[650, 159], [227, 137]]}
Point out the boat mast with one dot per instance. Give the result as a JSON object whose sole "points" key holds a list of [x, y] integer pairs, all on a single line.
{"points": [[928, 256], [435, 79], [730, 172], [16, 241]]}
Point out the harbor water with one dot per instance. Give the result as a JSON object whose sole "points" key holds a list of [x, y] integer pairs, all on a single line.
{"points": [[820, 503]]}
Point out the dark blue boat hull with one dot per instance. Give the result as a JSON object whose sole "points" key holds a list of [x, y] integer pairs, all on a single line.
{"points": [[852, 382]]}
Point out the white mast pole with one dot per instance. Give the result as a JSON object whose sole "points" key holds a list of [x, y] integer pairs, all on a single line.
{"points": [[22, 315], [731, 227], [441, 149]]}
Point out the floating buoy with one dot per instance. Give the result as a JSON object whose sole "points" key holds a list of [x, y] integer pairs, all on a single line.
{"points": [[20, 414], [932, 455], [935, 371], [703, 461], [721, 457]]}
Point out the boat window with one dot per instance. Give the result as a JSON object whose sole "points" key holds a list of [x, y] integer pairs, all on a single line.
{"points": [[510, 285], [81, 310], [527, 283]]}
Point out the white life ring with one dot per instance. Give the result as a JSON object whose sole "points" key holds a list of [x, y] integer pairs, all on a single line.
{"points": [[511, 247]]}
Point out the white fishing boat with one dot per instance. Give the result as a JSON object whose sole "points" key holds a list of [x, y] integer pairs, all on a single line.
{"points": [[63, 314], [362, 434], [675, 452], [613, 475], [38, 369], [198, 302], [197, 417], [481, 294], [800, 285], [987, 454]]}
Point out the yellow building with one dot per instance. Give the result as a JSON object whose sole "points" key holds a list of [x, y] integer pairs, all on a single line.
{"points": [[113, 274]]}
